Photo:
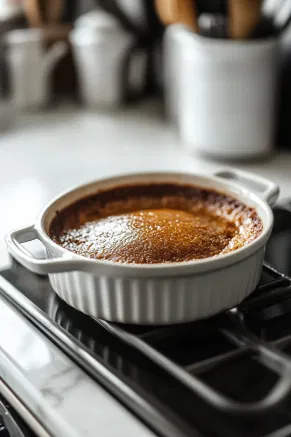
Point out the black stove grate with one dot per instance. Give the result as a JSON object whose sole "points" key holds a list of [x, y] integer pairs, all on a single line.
{"points": [[195, 349], [229, 375], [11, 425]]}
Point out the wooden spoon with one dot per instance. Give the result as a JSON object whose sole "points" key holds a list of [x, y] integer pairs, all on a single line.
{"points": [[41, 13], [54, 11], [244, 15], [33, 13], [47, 15], [177, 11]]}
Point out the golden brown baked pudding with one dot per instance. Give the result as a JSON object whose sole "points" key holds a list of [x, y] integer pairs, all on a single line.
{"points": [[155, 223]]}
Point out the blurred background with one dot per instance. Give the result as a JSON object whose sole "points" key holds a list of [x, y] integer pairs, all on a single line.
{"points": [[93, 88]]}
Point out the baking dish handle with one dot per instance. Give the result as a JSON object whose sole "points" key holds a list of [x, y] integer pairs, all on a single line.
{"points": [[16, 238], [266, 190]]}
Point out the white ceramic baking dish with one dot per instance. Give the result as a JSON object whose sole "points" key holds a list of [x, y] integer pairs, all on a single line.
{"points": [[153, 293]]}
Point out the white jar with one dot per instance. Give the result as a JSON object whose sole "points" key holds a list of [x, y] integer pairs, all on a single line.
{"points": [[30, 67], [99, 47], [228, 96]]}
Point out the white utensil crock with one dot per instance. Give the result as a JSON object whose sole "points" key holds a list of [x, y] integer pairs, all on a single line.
{"points": [[153, 293], [175, 39], [31, 66], [226, 94]]}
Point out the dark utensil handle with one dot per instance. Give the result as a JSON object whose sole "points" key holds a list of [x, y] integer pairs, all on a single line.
{"points": [[146, 38], [112, 7], [155, 28], [212, 7], [70, 11], [264, 29]]}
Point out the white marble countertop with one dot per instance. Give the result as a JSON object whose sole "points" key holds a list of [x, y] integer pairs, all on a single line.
{"points": [[46, 153], [62, 397]]}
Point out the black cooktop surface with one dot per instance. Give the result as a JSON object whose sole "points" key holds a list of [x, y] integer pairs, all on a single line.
{"points": [[228, 376]]}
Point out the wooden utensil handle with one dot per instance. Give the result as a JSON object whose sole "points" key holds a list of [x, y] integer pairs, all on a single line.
{"points": [[244, 15], [42, 12], [188, 14], [32, 10], [177, 11], [167, 11], [54, 10]]}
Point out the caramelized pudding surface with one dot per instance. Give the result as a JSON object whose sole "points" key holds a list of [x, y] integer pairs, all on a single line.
{"points": [[156, 223]]}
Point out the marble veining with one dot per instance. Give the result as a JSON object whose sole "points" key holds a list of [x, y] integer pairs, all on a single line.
{"points": [[63, 397], [64, 383]]}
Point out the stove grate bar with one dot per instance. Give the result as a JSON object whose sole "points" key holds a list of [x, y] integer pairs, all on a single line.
{"points": [[278, 279], [269, 356], [267, 299], [206, 365], [271, 270], [272, 285]]}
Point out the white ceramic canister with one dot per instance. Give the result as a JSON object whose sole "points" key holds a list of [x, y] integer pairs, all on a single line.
{"points": [[174, 39], [30, 67], [227, 94], [100, 46]]}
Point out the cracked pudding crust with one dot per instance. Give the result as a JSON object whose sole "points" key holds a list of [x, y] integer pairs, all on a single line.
{"points": [[155, 223]]}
